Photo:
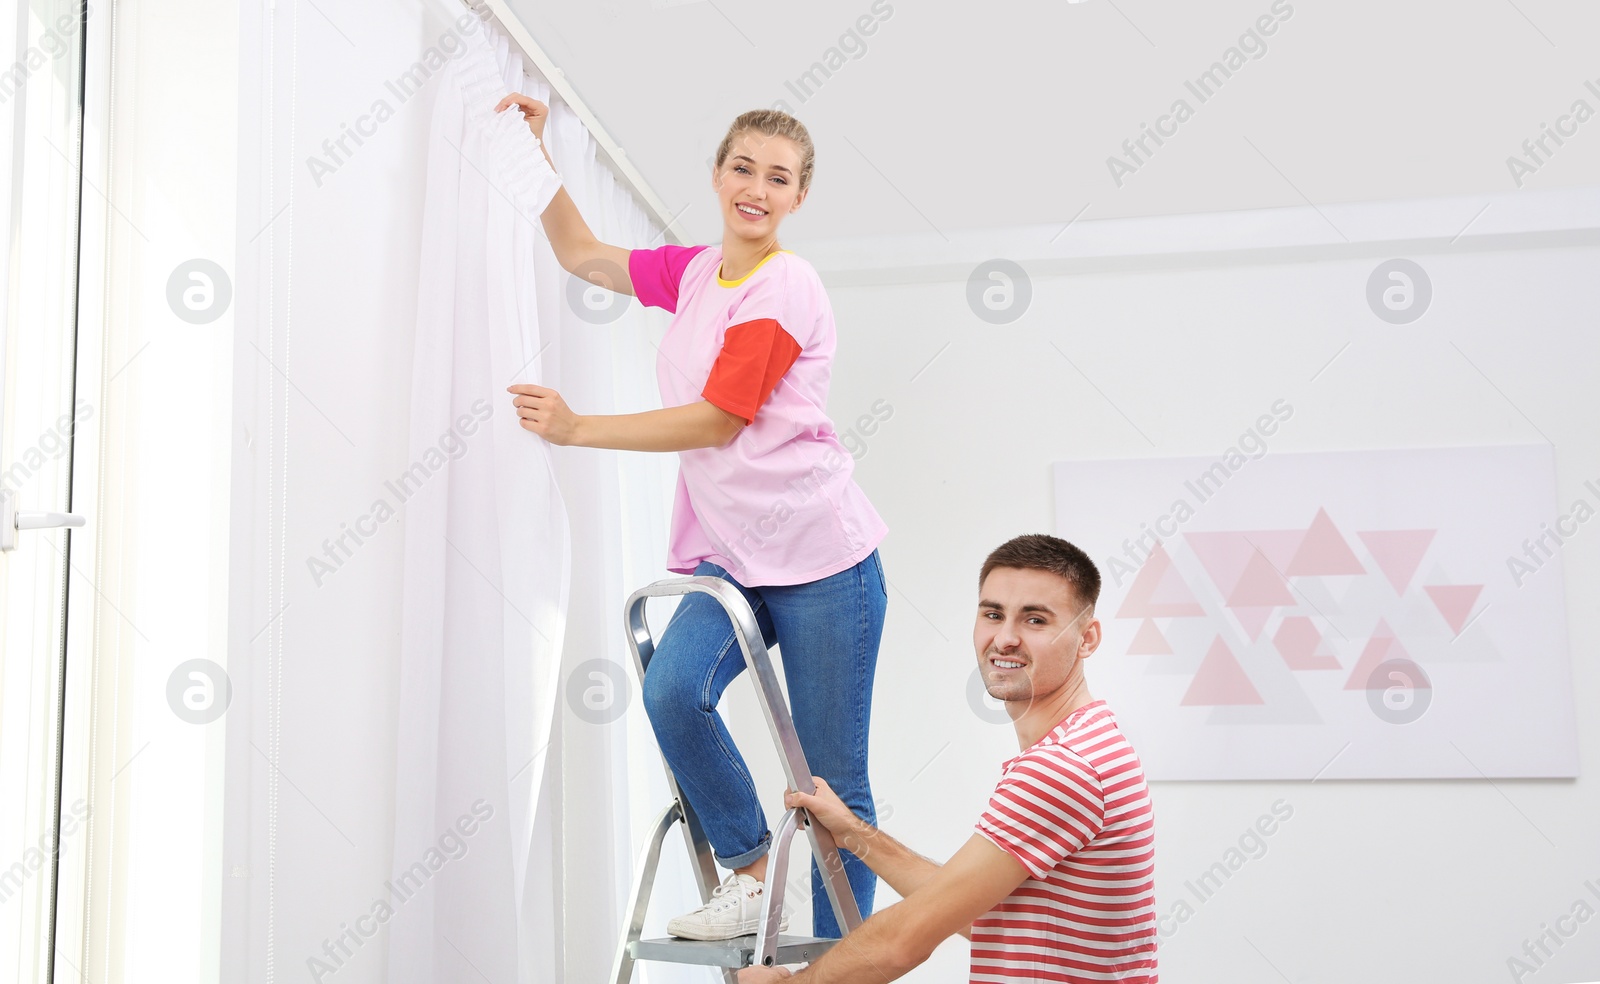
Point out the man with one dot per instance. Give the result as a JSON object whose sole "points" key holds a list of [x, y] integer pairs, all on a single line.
{"points": [[1058, 882]]}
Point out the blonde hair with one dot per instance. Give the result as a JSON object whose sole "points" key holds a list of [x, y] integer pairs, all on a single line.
{"points": [[773, 123]]}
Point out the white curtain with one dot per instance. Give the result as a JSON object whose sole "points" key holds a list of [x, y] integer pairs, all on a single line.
{"points": [[517, 564]]}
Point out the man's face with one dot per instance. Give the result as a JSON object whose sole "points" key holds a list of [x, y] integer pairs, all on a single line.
{"points": [[1029, 633]]}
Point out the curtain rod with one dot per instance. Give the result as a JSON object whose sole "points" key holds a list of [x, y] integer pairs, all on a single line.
{"points": [[519, 37]]}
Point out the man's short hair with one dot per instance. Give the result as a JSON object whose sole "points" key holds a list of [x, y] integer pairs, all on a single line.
{"points": [[1043, 552]]}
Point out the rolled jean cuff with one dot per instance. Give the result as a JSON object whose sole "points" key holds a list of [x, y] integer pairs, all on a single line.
{"points": [[748, 857]]}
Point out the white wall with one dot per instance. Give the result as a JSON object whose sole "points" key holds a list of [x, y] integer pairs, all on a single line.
{"points": [[923, 117], [1192, 327]]}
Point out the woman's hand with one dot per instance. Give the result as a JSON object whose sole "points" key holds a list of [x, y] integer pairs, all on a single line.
{"points": [[544, 412], [825, 807], [534, 111], [763, 975]]}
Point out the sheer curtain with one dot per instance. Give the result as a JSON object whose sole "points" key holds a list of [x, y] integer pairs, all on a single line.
{"points": [[515, 742]]}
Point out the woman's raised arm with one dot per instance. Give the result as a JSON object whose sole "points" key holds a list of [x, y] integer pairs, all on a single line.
{"points": [[576, 248]]}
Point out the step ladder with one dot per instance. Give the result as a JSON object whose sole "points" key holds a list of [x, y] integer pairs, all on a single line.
{"points": [[765, 947]]}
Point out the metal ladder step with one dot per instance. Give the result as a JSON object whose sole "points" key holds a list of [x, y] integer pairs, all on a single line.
{"points": [[735, 953]]}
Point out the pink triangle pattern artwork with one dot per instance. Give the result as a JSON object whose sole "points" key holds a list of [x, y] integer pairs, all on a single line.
{"points": [[1300, 644], [1338, 615], [1159, 591], [1324, 551], [1278, 546], [1381, 648], [1454, 602], [1220, 680], [1254, 572], [1149, 641], [1223, 555], [1252, 620], [1259, 561], [1398, 553], [1259, 585]]}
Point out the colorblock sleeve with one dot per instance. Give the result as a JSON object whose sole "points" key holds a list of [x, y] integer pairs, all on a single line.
{"points": [[656, 273], [1048, 807], [754, 357]]}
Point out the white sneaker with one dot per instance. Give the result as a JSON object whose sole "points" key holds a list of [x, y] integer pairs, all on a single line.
{"points": [[734, 910]]}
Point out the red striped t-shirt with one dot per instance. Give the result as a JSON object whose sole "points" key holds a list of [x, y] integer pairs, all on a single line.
{"points": [[1074, 809]]}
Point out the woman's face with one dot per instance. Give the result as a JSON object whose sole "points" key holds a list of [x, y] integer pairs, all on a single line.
{"points": [[758, 184]]}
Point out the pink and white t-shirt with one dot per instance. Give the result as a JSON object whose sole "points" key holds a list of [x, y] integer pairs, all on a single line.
{"points": [[777, 505], [1075, 810]]}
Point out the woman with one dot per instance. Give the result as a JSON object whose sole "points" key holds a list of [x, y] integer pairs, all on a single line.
{"points": [[765, 499]]}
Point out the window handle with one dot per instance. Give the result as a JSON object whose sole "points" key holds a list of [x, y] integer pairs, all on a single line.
{"points": [[12, 519]]}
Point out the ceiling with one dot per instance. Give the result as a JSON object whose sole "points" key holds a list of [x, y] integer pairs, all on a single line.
{"points": [[961, 116]]}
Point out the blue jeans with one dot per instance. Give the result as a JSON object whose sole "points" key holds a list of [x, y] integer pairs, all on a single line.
{"points": [[827, 632]]}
